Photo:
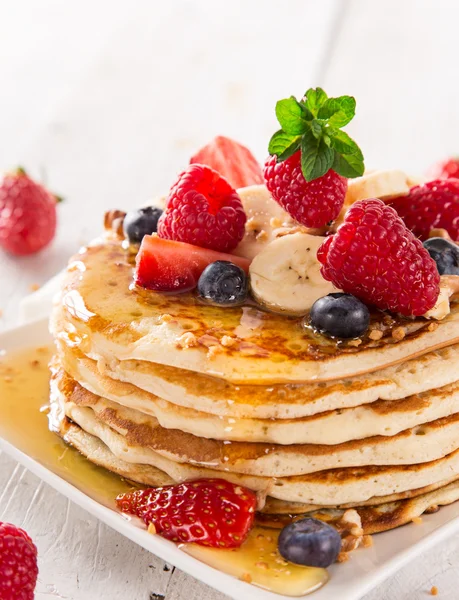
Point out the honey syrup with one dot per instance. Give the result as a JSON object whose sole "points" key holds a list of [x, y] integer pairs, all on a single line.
{"points": [[24, 396]]}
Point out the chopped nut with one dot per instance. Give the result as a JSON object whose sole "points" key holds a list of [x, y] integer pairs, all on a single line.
{"points": [[187, 340], [151, 529], [213, 351], [417, 520], [262, 236], [246, 577], [275, 222], [432, 326], [342, 557], [354, 343], [434, 590], [113, 221], [398, 333], [367, 541], [252, 225], [375, 335], [228, 341], [262, 565]]}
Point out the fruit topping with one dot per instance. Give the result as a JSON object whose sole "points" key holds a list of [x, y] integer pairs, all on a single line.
{"points": [[203, 209], [27, 214], [311, 157], [141, 222], [309, 542], [167, 266], [232, 160], [210, 512], [445, 254], [431, 206], [446, 169], [18, 564], [340, 315], [285, 276], [376, 258], [224, 283]]}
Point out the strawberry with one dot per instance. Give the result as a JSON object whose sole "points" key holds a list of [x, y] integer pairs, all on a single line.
{"points": [[168, 266], [446, 169], [209, 512], [232, 160], [310, 157], [18, 564], [27, 214]]}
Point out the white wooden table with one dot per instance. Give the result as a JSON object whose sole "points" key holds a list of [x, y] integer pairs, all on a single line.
{"points": [[106, 99]]}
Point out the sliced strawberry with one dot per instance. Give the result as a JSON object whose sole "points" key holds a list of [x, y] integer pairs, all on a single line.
{"points": [[168, 266], [232, 160], [209, 512]]}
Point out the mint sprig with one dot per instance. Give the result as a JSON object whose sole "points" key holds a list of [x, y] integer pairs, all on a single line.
{"points": [[313, 125]]}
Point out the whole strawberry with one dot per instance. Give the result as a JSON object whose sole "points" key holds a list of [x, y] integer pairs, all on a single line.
{"points": [[27, 214], [445, 169], [433, 205], [209, 512], [204, 210], [376, 258], [311, 157], [18, 564]]}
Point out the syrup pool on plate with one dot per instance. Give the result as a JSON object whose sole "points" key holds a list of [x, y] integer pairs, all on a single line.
{"points": [[24, 408]]}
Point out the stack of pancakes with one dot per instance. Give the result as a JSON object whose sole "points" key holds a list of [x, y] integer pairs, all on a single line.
{"points": [[164, 388]]}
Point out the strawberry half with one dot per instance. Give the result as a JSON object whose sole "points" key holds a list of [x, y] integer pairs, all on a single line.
{"points": [[209, 512], [232, 160], [169, 266]]}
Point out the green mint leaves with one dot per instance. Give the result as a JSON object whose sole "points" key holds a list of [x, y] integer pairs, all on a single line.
{"points": [[314, 126]]}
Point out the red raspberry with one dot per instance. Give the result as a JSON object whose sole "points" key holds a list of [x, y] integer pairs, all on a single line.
{"points": [[18, 564], [431, 206], [209, 512], [314, 203], [375, 257], [27, 214], [446, 169], [203, 209]]}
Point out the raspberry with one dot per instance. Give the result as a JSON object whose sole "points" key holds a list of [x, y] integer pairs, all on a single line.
{"points": [[434, 205], [375, 257], [204, 210], [314, 203], [27, 214], [18, 564], [209, 512], [446, 169]]}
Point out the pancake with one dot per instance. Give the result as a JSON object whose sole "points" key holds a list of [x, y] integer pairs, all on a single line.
{"points": [[418, 445], [382, 417], [240, 344]]}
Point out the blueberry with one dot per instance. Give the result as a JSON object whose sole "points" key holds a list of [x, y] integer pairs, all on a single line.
{"points": [[445, 254], [223, 282], [340, 315], [309, 542], [138, 223]]}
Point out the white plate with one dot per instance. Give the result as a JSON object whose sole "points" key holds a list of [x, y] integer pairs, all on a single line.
{"points": [[349, 581]]}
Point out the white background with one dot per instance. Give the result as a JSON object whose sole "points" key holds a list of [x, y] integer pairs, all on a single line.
{"points": [[106, 100]]}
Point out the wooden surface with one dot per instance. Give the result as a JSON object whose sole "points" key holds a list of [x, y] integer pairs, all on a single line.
{"points": [[107, 99]]}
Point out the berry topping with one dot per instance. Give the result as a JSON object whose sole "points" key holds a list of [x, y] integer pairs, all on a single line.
{"points": [[223, 282], [340, 315], [313, 204], [310, 542], [311, 157], [232, 160], [203, 209], [434, 205], [209, 512], [445, 254], [18, 564], [141, 222], [376, 258], [167, 266], [446, 169], [27, 214]]}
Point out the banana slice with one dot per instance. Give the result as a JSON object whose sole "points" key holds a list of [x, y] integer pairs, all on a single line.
{"points": [[265, 218], [285, 276]]}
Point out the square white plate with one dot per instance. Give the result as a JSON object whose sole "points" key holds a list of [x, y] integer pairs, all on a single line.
{"points": [[349, 581]]}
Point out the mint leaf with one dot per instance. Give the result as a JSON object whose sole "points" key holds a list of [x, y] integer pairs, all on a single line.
{"points": [[284, 144], [314, 99], [338, 111], [290, 115], [316, 129], [316, 157], [343, 144], [348, 165]]}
